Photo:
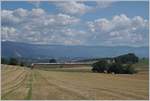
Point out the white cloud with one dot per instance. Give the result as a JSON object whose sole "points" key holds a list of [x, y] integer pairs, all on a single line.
{"points": [[79, 7], [20, 12], [64, 19], [35, 15], [118, 22], [73, 7], [37, 12], [38, 26], [121, 30], [8, 33], [8, 18]]}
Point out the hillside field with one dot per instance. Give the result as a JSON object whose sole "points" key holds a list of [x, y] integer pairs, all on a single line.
{"points": [[19, 83]]}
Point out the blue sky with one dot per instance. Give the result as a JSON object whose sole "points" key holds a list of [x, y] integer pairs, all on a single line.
{"points": [[131, 8], [76, 23]]}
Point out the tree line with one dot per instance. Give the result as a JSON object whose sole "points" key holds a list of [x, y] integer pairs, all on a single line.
{"points": [[12, 61], [21, 62]]}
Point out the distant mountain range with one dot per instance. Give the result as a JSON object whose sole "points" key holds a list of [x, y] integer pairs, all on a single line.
{"points": [[24, 50]]}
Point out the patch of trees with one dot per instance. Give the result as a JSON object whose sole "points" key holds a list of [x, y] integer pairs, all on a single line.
{"points": [[103, 67], [23, 61], [122, 65]]}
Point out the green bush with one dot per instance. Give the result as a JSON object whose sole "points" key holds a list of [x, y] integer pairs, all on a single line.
{"points": [[100, 66], [115, 68]]}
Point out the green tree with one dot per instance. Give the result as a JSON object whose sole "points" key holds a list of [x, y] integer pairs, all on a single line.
{"points": [[52, 61], [129, 58]]}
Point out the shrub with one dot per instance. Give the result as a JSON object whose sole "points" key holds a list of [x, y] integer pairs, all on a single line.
{"points": [[100, 66]]}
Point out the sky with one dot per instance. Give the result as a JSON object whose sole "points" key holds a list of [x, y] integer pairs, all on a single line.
{"points": [[94, 23]]}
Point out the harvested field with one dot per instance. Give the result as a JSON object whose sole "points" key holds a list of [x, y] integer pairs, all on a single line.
{"points": [[23, 83]]}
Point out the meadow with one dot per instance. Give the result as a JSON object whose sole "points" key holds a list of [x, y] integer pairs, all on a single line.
{"points": [[19, 83]]}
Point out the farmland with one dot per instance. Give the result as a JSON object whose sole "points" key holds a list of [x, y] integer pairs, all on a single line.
{"points": [[71, 84]]}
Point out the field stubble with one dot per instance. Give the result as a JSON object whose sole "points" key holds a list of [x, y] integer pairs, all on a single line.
{"points": [[23, 83]]}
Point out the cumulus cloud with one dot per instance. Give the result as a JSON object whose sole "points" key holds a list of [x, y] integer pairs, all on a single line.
{"points": [[73, 7], [8, 33], [37, 12], [37, 26], [8, 18], [19, 15], [79, 7], [121, 29], [118, 22], [20, 12]]}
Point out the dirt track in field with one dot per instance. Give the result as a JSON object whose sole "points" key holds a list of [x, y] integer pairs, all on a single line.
{"points": [[22, 83]]}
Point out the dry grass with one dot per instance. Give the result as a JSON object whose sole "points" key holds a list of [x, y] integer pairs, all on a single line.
{"points": [[39, 84]]}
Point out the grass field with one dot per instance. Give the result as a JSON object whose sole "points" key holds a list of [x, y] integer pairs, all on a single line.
{"points": [[23, 83]]}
